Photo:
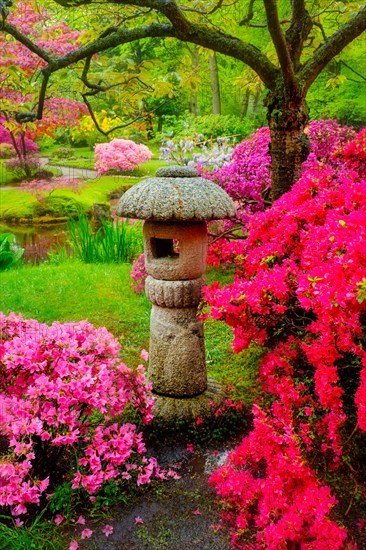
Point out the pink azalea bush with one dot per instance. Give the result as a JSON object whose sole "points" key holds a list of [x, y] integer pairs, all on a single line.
{"points": [[247, 177], [62, 393], [299, 290], [120, 154]]}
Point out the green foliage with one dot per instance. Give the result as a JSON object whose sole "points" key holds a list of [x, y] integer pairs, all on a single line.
{"points": [[60, 501], [111, 243], [57, 207], [214, 126], [10, 254], [210, 126], [361, 294], [37, 536], [63, 153], [15, 204], [343, 102], [6, 151]]}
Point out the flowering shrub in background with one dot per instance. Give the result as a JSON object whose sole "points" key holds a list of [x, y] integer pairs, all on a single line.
{"points": [[41, 186], [247, 177], [212, 153], [24, 166], [139, 274], [300, 291], [120, 154], [62, 393], [327, 137], [5, 137]]}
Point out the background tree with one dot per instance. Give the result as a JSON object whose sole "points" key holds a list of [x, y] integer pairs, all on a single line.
{"points": [[287, 75]]}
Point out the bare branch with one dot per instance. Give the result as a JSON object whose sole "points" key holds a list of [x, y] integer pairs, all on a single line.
{"points": [[332, 47], [250, 14], [42, 94], [320, 26], [353, 70]]}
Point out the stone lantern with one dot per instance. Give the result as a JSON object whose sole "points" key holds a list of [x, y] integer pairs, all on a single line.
{"points": [[176, 205]]}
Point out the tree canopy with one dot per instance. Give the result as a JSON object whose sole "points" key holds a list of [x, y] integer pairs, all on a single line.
{"points": [[286, 44]]}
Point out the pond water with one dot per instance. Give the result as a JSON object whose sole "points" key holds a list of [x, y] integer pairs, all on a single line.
{"points": [[37, 240]]}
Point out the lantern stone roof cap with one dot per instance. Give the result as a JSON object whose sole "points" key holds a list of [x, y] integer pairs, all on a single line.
{"points": [[176, 193]]}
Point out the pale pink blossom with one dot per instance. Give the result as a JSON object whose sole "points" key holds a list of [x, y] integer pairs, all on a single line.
{"points": [[107, 530], [86, 533], [138, 520]]}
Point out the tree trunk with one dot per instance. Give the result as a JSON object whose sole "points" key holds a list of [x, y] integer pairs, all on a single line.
{"points": [[256, 99], [193, 103], [160, 123], [287, 118], [215, 84], [245, 104]]}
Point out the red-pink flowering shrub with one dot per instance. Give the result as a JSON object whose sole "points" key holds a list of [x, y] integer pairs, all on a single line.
{"points": [[120, 154], [247, 177], [299, 290], [62, 393]]}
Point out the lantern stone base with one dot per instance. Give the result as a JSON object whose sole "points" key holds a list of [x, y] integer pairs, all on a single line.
{"points": [[171, 409]]}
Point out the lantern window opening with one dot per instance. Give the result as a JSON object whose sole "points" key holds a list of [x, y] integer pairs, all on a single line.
{"points": [[165, 248]]}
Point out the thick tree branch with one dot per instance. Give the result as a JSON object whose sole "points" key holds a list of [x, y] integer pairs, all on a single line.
{"points": [[15, 33], [332, 47], [298, 32], [202, 35], [187, 31], [279, 41]]}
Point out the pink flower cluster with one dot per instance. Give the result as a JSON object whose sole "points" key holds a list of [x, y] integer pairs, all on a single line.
{"points": [[62, 393], [120, 154], [30, 145], [297, 291], [247, 177], [138, 274], [40, 186]]}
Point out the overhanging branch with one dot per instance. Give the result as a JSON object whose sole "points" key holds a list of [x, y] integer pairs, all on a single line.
{"points": [[331, 48]]}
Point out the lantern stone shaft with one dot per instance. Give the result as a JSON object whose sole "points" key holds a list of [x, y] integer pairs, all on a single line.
{"points": [[176, 205]]}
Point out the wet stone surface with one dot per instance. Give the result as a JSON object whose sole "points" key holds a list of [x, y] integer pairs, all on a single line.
{"points": [[178, 515]]}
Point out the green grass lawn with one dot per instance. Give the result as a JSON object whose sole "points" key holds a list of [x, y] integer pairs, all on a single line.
{"points": [[15, 204], [146, 169], [102, 294], [6, 177]]}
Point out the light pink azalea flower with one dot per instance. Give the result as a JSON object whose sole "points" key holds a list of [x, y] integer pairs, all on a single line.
{"points": [[80, 520], [59, 519], [139, 521], [86, 533], [107, 530], [144, 355], [73, 545]]}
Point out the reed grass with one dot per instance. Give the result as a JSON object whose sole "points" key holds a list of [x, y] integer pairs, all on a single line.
{"points": [[113, 242]]}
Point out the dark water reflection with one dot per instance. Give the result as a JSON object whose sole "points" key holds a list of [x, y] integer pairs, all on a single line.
{"points": [[37, 240]]}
